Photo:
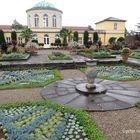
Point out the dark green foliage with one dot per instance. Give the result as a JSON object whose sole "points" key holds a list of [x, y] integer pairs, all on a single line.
{"points": [[112, 40], [95, 37], [120, 39], [27, 34], [2, 42], [138, 104], [75, 36], [14, 35], [86, 38], [63, 34], [57, 41], [2, 39]]}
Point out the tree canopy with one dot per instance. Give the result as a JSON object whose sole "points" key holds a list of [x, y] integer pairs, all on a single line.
{"points": [[27, 34], [16, 25]]}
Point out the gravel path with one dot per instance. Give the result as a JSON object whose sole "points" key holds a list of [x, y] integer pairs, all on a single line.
{"points": [[116, 125], [17, 95], [119, 125]]}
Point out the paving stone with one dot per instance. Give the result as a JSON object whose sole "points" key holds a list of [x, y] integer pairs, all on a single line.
{"points": [[128, 99], [80, 102], [64, 99], [108, 99], [118, 95], [109, 106], [126, 93]]}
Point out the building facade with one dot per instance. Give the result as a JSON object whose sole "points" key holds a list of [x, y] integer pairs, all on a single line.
{"points": [[46, 23]]}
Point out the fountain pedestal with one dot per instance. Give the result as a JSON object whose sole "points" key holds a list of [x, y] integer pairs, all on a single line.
{"points": [[90, 87], [99, 89]]}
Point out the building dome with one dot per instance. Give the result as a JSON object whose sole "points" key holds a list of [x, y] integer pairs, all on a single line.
{"points": [[43, 4]]}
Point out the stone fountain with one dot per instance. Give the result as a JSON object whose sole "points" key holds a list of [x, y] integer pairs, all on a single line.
{"points": [[91, 93], [90, 87]]}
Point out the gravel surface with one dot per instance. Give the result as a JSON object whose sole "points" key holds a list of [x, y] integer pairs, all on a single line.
{"points": [[116, 125], [119, 125], [17, 95]]}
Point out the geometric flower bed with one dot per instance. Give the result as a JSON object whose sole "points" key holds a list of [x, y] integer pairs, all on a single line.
{"points": [[118, 72], [59, 56], [30, 77], [42, 120]]}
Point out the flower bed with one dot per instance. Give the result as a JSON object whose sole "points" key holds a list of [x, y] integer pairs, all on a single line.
{"points": [[28, 78], [14, 57], [117, 73], [44, 120], [58, 56], [92, 54]]}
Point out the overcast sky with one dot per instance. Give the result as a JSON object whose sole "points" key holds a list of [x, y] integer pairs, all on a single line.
{"points": [[75, 12]]}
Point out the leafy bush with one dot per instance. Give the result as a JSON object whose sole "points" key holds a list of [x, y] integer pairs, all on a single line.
{"points": [[135, 55]]}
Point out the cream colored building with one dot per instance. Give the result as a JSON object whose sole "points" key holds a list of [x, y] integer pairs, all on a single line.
{"points": [[110, 27], [46, 22]]}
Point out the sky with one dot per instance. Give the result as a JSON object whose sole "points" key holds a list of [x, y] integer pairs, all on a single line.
{"points": [[75, 12]]}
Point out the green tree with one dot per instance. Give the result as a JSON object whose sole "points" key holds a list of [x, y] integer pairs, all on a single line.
{"points": [[75, 36], [2, 39], [14, 35], [95, 37], [112, 40], [27, 34], [70, 35], [120, 39], [57, 41], [64, 34], [16, 25], [2, 42], [86, 38]]}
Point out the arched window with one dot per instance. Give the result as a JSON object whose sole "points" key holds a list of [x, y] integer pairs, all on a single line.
{"points": [[35, 37], [115, 26], [19, 40], [54, 21], [57, 36], [45, 20], [36, 17]]}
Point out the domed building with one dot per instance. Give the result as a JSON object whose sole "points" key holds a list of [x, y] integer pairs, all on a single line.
{"points": [[45, 21]]}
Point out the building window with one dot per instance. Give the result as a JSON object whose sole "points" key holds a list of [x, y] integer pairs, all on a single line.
{"points": [[54, 21], [115, 26], [19, 40], [80, 40], [45, 20], [8, 40], [57, 36], [35, 38], [36, 20], [46, 39]]}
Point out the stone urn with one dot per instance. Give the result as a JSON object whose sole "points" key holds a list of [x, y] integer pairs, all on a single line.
{"points": [[91, 74]]}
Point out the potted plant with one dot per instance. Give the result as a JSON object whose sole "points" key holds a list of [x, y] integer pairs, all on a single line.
{"points": [[125, 53]]}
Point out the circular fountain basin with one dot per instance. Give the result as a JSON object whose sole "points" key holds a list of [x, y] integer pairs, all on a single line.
{"points": [[99, 89], [118, 95]]}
